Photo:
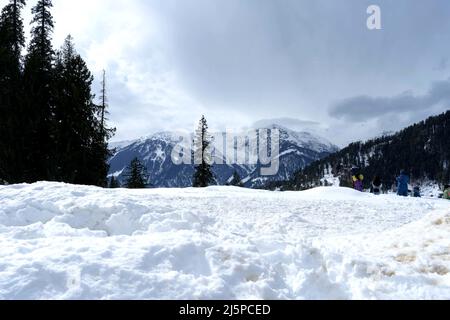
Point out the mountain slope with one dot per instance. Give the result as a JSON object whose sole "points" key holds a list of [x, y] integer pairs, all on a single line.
{"points": [[423, 150], [297, 149]]}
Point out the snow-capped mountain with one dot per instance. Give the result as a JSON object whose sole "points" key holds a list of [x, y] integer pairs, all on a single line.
{"points": [[297, 149]]}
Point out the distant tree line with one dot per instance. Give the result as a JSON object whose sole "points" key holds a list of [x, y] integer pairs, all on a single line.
{"points": [[422, 150], [50, 127]]}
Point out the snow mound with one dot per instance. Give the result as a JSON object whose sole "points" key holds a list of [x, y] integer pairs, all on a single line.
{"points": [[61, 241]]}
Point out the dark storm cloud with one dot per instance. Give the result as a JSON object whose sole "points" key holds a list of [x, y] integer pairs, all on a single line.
{"points": [[365, 108]]}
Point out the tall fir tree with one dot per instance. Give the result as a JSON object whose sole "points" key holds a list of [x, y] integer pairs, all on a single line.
{"points": [[103, 134], [81, 134], [39, 136], [73, 103], [136, 176], [50, 127], [103, 100], [203, 175], [12, 42], [13, 38]]}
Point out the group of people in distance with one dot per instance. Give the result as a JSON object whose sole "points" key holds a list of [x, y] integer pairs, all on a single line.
{"points": [[402, 184]]}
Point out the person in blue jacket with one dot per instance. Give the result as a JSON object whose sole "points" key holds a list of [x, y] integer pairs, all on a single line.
{"points": [[403, 184]]}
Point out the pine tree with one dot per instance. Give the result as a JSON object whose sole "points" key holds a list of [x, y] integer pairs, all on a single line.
{"points": [[236, 181], [203, 175], [50, 128], [38, 136], [136, 176], [12, 41], [73, 104], [81, 134], [13, 38], [113, 183], [103, 100], [103, 134]]}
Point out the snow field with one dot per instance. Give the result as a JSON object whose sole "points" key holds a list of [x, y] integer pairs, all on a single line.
{"points": [[61, 241]]}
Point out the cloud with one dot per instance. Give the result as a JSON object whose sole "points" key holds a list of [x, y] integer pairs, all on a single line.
{"points": [[366, 108], [442, 65], [238, 61], [291, 123]]}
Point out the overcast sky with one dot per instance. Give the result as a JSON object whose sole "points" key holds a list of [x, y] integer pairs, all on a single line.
{"points": [[312, 64]]}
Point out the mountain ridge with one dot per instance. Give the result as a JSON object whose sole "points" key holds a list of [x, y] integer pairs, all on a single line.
{"points": [[297, 149]]}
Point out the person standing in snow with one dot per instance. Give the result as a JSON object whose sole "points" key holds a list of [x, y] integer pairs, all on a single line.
{"points": [[403, 184], [447, 192], [359, 184], [376, 186], [357, 179]]}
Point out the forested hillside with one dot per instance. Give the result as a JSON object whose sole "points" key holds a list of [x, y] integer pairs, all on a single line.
{"points": [[423, 150]]}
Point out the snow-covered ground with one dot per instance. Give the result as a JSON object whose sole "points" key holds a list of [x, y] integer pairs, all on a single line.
{"points": [[72, 242]]}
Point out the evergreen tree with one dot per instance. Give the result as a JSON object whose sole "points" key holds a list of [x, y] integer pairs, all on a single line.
{"points": [[236, 181], [81, 136], [38, 134], [12, 41], [113, 183], [203, 175], [136, 176], [73, 103], [50, 128], [103, 133], [11, 26], [103, 100]]}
